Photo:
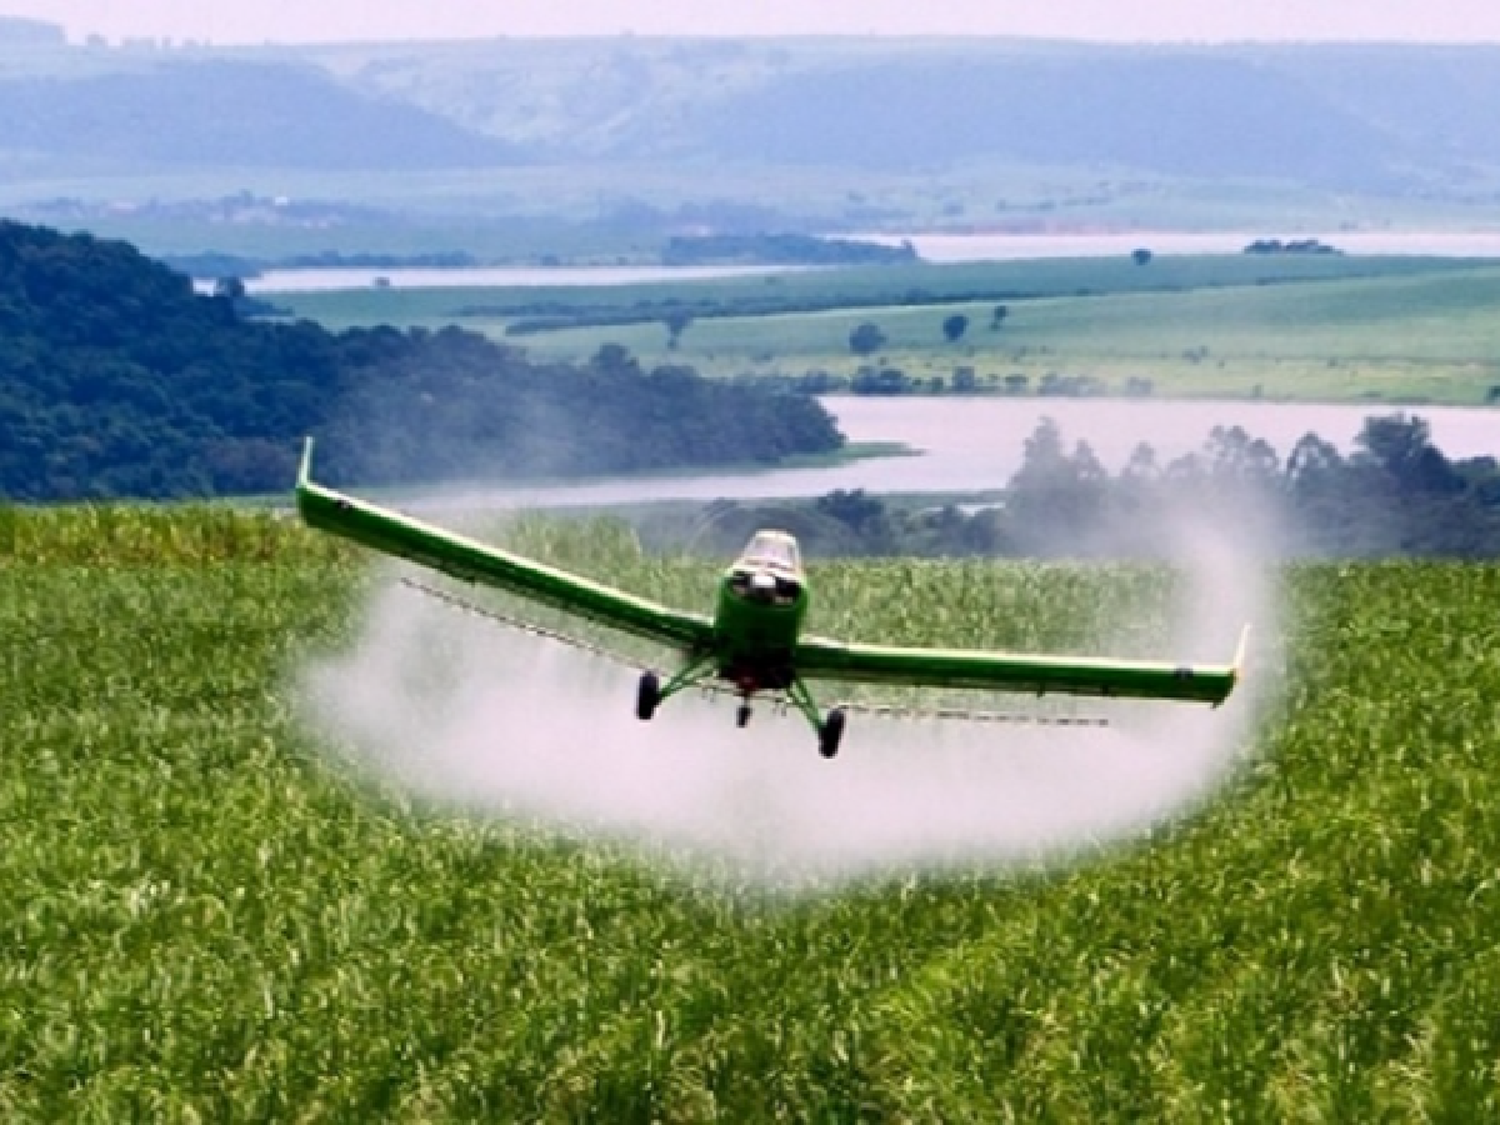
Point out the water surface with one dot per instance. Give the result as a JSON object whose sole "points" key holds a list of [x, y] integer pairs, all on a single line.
{"points": [[975, 444]]}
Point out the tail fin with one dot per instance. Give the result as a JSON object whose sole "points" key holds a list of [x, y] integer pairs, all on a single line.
{"points": [[1241, 650], [304, 473]]}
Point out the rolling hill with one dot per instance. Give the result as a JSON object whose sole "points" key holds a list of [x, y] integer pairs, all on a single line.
{"points": [[1373, 119], [213, 112]]}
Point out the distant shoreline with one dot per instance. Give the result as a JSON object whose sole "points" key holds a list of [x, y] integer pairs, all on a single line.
{"points": [[935, 247], [939, 246]]}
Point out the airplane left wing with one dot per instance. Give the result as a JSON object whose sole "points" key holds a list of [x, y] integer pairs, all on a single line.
{"points": [[468, 559], [819, 658]]}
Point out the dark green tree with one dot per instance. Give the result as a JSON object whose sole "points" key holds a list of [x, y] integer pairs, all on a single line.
{"points": [[677, 322], [230, 288], [1402, 446], [866, 339], [615, 358]]}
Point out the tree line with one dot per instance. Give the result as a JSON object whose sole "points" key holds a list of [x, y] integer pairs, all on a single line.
{"points": [[118, 380], [1394, 494]]}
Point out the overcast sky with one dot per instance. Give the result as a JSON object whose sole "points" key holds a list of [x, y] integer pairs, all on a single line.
{"points": [[256, 21]]}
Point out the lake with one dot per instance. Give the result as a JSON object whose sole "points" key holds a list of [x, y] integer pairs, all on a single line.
{"points": [[973, 444], [322, 280]]}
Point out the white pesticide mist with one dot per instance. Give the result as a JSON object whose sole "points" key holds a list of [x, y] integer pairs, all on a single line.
{"points": [[465, 712]]}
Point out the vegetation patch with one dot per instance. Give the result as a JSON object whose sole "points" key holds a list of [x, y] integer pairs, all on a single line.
{"points": [[207, 922], [1396, 494], [1294, 327], [116, 379]]}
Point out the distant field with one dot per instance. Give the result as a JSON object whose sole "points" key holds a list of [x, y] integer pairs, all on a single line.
{"points": [[872, 285], [496, 205], [1317, 329], [522, 239], [205, 922]]}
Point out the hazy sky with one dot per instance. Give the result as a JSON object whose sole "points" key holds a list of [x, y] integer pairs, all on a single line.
{"points": [[255, 21]]}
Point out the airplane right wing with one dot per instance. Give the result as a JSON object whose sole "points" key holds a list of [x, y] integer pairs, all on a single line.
{"points": [[821, 658]]}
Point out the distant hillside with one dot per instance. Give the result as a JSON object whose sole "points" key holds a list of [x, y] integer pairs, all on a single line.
{"points": [[223, 113], [684, 123], [117, 380], [24, 33], [1188, 115], [1369, 118]]}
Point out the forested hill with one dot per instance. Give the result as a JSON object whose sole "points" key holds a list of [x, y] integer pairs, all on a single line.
{"points": [[117, 380]]}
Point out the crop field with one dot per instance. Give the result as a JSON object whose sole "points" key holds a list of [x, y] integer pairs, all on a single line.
{"points": [[207, 920], [858, 286], [1397, 330]]}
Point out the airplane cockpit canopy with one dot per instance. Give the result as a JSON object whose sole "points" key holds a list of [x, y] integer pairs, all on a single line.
{"points": [[774, 549], [768, 570]]}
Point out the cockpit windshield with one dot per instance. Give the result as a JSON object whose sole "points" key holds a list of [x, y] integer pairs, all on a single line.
{"points": [[773, 548]]}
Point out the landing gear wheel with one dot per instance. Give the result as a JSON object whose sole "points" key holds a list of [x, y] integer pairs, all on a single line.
{"points": [[742, 716], [831, 732], [647, 696]]}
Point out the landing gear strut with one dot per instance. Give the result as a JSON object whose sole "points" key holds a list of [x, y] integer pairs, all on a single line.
{"points": [[651, 692]]}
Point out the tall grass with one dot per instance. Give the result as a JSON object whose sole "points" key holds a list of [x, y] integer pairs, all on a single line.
{"points": [[203, 922], [113, 535]]}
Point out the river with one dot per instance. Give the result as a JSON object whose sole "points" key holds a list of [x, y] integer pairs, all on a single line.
{"points": [[973, 444]]}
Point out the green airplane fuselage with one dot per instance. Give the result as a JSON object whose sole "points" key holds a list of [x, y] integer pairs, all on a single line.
{"points": [[758, 618]]}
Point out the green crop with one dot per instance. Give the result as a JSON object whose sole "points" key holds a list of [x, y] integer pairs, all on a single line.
{"points": [[205, 921], [1407, 330]]}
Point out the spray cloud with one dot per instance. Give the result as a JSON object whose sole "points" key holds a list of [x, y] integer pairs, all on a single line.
{"points": [[464, 712]]}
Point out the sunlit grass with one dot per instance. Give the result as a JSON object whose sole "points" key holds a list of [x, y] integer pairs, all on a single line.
{"points": [[203, 921]]}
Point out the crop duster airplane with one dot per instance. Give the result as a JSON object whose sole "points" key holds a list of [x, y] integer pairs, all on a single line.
{"points": [[754, 639]]}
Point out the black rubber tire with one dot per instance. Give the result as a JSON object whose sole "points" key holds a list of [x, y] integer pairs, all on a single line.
{"points": [[831, 733], [647, 696]]}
